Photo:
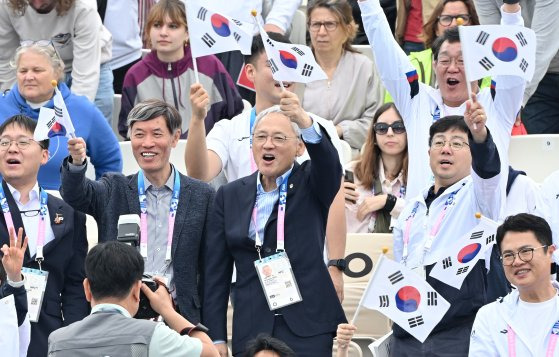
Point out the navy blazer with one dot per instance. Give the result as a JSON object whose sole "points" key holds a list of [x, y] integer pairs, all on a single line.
{"points": [[312, 187], [64, 260], [115, 194]]}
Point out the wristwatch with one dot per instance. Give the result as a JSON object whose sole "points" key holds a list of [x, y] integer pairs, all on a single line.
{"points": [[190, 329], [338, 263]]}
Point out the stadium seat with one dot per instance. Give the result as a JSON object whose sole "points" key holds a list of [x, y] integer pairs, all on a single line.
{"points": [[116, 112], [366, 50], [536, 154], [145, 51], [299, 28], [347, 152], [130, 166]]}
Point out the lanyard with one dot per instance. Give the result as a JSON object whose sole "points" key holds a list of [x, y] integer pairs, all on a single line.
{"points": [[280, 236], [511, 337], [252, 120], [434, 229], [43, 210], [144, 215]]}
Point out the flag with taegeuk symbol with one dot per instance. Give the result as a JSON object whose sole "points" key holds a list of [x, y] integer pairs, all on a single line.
{"points": [[54, 122], [465, 253], [404, 297], [211, 32], [491, 50], [291, 62]]}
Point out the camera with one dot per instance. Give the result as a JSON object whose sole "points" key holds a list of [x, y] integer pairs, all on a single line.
{"points": [[145, 311], [129, 229]]}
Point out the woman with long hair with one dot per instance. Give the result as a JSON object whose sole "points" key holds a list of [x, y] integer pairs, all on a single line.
{"points": [[377, 192]]}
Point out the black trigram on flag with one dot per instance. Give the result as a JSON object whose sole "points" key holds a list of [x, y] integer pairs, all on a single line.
{"points": [[296, 49], [269, 42], [208, 40], [202, 13], [447, 262], [307, 70], [57, 111], [462, 270], [236, 36], [523, 65], [482, 37], [476, 235], [521, 39], [237, 22], [432, 298], [396, 277], [490, 239], [486, 63], [384, 301], [273, 66], [415, 321]]}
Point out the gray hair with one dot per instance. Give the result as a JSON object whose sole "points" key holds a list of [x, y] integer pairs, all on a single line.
{"points": [[49, 52], [151, 109], [276, 109]]}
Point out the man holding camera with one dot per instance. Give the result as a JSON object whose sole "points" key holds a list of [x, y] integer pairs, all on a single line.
{"points": [[173, 207], [112, 286]]}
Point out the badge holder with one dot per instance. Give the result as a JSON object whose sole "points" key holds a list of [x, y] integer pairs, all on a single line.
{"points": [[277, 280], [35, 285]]}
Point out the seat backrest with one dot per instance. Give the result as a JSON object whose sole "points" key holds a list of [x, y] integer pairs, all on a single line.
{"points": [[536, 154], [298, 28]]}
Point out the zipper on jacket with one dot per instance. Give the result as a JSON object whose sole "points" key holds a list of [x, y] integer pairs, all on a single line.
{"points": [[169, 69]]}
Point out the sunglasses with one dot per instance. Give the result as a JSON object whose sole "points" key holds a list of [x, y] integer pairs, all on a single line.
{"points": [[398, 127]]}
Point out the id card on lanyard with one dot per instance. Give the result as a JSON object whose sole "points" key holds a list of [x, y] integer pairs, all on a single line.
{"points": [[144, 215], [432, 234], [274, 272], [35, 286]]}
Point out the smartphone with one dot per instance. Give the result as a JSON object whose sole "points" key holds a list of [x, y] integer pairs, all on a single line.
{"points": [[348, 176]]}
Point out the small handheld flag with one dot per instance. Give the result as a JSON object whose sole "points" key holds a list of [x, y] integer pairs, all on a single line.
{"points": [[403, 296], [56, 121]]}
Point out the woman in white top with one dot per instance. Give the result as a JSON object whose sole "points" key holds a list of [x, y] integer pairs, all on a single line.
{"points": [[379, 175], [353, 91]]}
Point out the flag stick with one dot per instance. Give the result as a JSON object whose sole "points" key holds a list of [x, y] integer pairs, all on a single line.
{"points": [[260, 30], [195, 65], [358, 309]]}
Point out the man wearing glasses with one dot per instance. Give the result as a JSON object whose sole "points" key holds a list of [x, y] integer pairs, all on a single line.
{"points": [[466, 166], [53, 262], [526, 321]]}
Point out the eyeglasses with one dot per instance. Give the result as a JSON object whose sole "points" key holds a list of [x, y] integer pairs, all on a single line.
{"points": [[447, 61], [30, 213], [398, 127], [455, 144], [328, 25], [524, 254], [446, 20], [277, 139], [22, 143]]}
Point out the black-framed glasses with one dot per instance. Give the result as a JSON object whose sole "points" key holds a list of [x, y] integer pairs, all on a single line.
{"points": [[22, 143], [315, 26], [398, 127], [446, 20], [277, 139], [455, 144], [30, 213], [524, 254]]}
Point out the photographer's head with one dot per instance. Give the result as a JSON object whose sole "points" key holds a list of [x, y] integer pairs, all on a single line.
{"points": [[113, 273]]}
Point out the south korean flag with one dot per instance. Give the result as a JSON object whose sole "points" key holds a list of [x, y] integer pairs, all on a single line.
{"points": [[491, 50], [453, 268], [404, 297], [212, 32]]}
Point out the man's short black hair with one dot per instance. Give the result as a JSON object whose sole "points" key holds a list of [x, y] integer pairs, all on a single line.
{"points": [[112, 268], [264, 342], [258, 45], [25, 122], [448, 123], [525, 222], [451, 35]]}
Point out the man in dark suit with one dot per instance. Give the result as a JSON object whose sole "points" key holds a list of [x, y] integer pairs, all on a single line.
{"points": [[244, 230], [64, 239], [172, 250]]}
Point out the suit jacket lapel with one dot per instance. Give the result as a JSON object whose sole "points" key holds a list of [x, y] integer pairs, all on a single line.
{"points": [[132, 194], [181, 217], [16, 216], [58, 229], [246, 197]]}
